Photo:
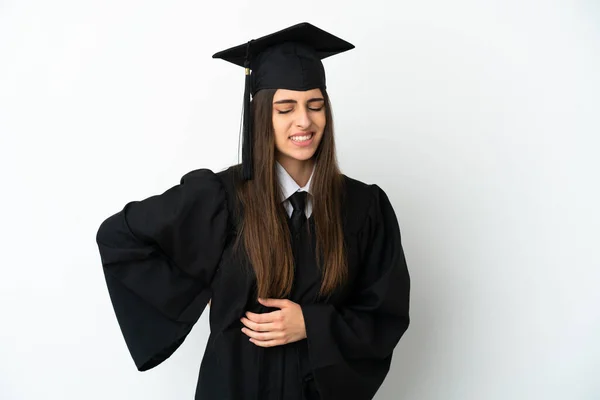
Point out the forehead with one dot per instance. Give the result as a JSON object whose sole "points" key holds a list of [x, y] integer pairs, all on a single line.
{"points": [[298, 95]]}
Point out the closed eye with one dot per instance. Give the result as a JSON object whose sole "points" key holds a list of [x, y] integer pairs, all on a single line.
{"points": [[310, 108]]}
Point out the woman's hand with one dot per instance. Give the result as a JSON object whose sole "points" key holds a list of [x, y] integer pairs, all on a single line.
{"points": [[275, 328]]}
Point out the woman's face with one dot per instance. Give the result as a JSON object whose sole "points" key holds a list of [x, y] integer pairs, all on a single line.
{"points": [[298, 121]]}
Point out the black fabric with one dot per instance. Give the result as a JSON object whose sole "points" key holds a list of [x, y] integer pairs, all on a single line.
{"points": [[289, 66], [287, 59], [164, 257]]}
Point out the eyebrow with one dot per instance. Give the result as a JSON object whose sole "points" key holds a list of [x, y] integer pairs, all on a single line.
{"points": [[288, 101]]}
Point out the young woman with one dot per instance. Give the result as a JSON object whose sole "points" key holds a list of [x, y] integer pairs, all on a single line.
{"points": [[303, 265]]}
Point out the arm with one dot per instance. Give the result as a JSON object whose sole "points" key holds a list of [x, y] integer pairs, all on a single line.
{"points": [[159, 256], [372, 322]]}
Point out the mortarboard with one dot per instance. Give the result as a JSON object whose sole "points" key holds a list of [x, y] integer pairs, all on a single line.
{"points": [[287, 59]]}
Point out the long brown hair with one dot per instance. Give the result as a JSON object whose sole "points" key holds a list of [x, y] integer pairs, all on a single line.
{"points": [[264, 229]]}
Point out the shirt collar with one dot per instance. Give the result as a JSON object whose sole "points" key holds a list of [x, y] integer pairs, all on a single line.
{"points": [[288, 184]]}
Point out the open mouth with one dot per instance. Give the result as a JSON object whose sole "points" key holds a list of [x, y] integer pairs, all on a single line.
{"points": [[302, 139]]}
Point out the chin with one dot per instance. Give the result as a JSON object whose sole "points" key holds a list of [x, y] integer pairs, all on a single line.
{"points": [[304, 156]]}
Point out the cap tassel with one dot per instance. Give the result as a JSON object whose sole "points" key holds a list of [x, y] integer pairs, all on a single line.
{"points": [[247, 160]]}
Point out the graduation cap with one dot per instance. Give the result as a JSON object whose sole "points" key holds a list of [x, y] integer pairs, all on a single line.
{"points": [[287, 59]]}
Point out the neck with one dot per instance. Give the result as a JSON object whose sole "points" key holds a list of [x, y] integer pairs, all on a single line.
{"points": [[299, 170]]}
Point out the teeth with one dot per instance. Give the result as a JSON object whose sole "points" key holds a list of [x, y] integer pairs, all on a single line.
{"points": [[301, 138]]}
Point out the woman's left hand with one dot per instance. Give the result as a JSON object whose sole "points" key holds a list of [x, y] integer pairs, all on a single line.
{"points": [[283, 326]]}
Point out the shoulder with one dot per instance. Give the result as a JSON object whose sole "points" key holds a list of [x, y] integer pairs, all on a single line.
{"points": [[369, 211], [361, 200], [227, 177], [356, 188], [361, 194], [224, 184]]}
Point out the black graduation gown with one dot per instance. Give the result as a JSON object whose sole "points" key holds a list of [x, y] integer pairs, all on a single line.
{"points": [[164, 258]]}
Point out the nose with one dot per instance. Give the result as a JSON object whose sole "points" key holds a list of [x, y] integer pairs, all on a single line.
{"points": [[303, 120]]}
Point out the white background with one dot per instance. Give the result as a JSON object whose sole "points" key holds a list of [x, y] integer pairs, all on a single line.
{"points": [[481, 122]]}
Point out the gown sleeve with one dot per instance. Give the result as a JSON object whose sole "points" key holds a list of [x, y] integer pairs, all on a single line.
{"points": [[159, 256], [355, 341]]}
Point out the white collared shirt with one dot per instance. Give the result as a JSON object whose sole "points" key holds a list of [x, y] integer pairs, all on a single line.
{"points": [[289, 187]]}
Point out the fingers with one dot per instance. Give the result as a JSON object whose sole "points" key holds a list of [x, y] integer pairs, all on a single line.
{"points": [[274, 316], [266, 339], [264, 327], [267, 330], [264, 336]]}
